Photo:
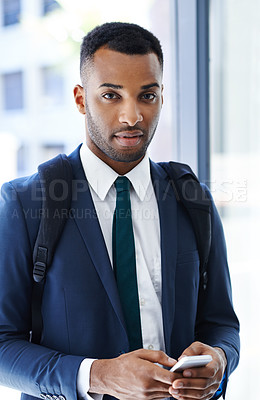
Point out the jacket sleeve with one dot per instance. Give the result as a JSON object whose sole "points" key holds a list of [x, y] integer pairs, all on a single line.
{"points": [[217, 324], [30, 368]]}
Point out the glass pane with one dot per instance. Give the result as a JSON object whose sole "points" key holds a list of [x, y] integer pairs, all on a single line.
{"points": [[52, 86], [235, 162], [13, 91], [49, 6], [11, 11]]}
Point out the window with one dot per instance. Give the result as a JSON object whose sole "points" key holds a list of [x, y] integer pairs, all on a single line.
{"points": [[49, 6], [52, 86], [11, 12], [22, 158], [13, 91], [235, 155]]}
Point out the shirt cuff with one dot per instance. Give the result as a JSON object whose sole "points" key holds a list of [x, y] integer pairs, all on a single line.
{"points": [[83, 381], [220, 390]]}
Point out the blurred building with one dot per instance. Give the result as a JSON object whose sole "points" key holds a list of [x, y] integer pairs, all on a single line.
{"points": [[37, 76], [39, 66]]}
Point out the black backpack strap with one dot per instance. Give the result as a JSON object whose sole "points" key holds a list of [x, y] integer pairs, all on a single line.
{"points": [[191, 194], [56, 185]]}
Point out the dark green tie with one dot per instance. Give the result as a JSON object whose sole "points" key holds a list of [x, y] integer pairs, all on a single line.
{"points": [[124, 262]]}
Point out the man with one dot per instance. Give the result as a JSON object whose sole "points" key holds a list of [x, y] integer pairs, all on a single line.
{"points": [[86, 347]]}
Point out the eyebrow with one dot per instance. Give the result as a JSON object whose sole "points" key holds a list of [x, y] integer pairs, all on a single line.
{"points": [[111, 85], [144, 87], [155, 84]]}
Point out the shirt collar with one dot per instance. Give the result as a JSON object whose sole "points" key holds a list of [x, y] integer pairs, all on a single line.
{"points": [[101, 177]]}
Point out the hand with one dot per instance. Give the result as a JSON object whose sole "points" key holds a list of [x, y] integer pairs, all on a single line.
{"points": [[200, 383], [133, 375]]}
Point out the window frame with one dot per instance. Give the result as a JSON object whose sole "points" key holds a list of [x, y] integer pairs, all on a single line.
{"points": [[191, 39]]}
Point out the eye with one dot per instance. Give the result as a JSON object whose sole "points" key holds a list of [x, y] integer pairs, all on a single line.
{"points": [[110, 96], [149, 96]]}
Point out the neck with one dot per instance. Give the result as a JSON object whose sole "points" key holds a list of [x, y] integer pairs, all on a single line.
{"points": [[122, 168]]}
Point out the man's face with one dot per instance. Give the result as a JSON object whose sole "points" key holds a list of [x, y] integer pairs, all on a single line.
{"points": [[122, 99]]}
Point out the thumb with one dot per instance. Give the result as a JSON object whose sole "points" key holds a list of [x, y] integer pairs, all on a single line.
{"points": [[157, 356], [196, 348]]}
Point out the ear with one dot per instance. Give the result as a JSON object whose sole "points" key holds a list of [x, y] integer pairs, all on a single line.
{"points": [[79, 96], [162, 94]]}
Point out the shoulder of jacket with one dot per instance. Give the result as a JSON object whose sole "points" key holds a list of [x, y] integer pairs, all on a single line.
{"points": [[27, 190]]}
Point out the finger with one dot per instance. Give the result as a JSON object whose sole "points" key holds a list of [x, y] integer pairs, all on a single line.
{"points": [[197, 396], [197, 384], [193, 389], [157, 390], [192, 394], [149, 367], [209, 372], [157, 395], [164, 376], [150, 396]]}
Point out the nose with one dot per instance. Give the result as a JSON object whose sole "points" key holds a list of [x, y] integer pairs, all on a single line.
{"points": [[130, 113]]}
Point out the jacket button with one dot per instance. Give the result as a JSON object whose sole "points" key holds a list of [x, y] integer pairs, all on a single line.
{"points": [[48, 396], [61, 397], [42, 396]]}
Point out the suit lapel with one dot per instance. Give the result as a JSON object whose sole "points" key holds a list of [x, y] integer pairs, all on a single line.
{"points": [[88, 225], [168, 227]]}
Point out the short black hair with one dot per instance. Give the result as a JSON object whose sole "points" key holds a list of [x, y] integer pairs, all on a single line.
{"points": [[123, 37]]}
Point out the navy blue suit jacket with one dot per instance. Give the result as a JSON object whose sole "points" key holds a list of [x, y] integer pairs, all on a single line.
{"points": [[82, 316]]}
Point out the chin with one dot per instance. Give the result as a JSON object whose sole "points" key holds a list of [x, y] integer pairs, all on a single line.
{"points": [[127, 158]]}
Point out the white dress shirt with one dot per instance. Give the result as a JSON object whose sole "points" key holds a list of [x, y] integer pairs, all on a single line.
{"points": [[146, 227]]}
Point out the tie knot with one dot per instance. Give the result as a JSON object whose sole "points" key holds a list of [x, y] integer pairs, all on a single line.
{"points": [[122, 184]]}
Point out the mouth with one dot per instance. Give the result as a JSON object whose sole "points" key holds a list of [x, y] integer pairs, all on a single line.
{"points": [[129, 138]]}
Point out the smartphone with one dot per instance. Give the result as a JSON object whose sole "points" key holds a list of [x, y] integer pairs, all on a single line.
{"points": [[191, 362]]}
